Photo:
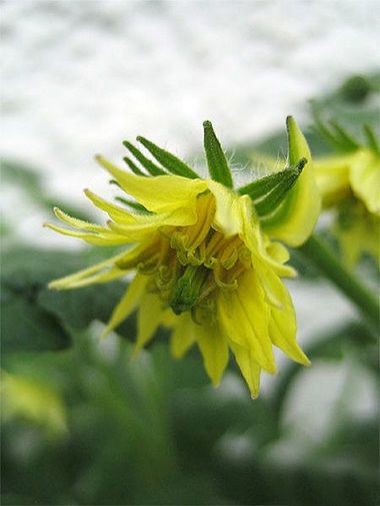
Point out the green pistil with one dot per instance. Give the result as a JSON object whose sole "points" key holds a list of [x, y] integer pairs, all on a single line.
{"points": [[188, 289]]}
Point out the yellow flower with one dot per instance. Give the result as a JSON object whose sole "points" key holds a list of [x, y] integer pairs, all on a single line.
{"points": [[351, 184], [203, 267]]}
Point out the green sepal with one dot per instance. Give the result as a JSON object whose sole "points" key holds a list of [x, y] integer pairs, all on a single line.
{"points": [[169, 161], [372, 141], [334, 134], [217, 163], [151, 167], [133, 167], [262, 186], [134, 205], [270, 202]]}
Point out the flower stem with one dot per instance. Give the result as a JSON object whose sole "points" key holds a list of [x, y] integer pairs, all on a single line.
{"points": [[320, 253]]}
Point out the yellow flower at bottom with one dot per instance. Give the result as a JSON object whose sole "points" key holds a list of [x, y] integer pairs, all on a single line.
{"points": [[203, 268]]}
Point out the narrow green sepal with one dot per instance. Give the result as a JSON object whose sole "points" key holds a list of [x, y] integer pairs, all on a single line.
{"points": [[151, 167], [270, 202], [372, 141], [114, 182], [336, 136], [134, 205], [216, 160], [262, 186], [133, 167], [169, 161], [347, 141]]}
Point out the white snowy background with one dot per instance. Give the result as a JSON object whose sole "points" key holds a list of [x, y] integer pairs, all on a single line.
{"points": [[79, 76]]}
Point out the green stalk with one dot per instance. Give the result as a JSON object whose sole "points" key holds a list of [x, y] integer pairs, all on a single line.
{"points": [[320, 253]]}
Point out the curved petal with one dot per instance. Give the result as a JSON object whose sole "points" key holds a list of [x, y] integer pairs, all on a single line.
{"points": [[159, 194], [296, 217], [127, 304], [149, 317], [250, 370], [213, 346], [283, 327], [244, 316], [183, 336], [228, 209]]}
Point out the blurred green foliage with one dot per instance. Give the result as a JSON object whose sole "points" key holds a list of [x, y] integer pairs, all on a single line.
{"points": [[94, 426]]}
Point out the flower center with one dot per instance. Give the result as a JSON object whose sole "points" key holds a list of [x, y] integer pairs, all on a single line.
{"points": [[189, 265]]}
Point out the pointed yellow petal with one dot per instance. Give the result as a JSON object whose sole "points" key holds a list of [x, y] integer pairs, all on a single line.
{"points": [[213, 346], [127, 304], [184, 335], [76, 223], [149, 317], [105, 239], [65, 282], [301, 208], [161, 193], [249, 368], [117, 213], [244, 315], [283, 327]]}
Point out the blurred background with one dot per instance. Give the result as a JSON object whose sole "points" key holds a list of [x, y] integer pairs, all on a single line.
{"points": [[82, 424]]}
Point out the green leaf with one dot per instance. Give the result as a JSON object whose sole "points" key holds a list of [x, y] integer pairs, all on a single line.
{"points": [[27, 327], [216, 160], [168, 160], [36, 318], [151, 167]]}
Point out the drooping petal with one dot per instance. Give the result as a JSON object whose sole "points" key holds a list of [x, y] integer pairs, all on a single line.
{"points": [[183, 336], [213, 347], [106, 238], [127, 304], [76, 223], [244, 315], [67, 281], [114, 211], [249, 368], [283, 328], [158, 194], [149, 317]]}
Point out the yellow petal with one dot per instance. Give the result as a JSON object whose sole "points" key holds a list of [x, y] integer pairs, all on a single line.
{"points": [[127, 304], [283, 327], [228, 209], [244, 316], [332, 177], [149, 317], [76, 223], [117, 213], [146, 224], [249, 368], [301, 208], [158, 194], [365, 179], [106, 238], [183, 336], [213, 346], [67, 281]]}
